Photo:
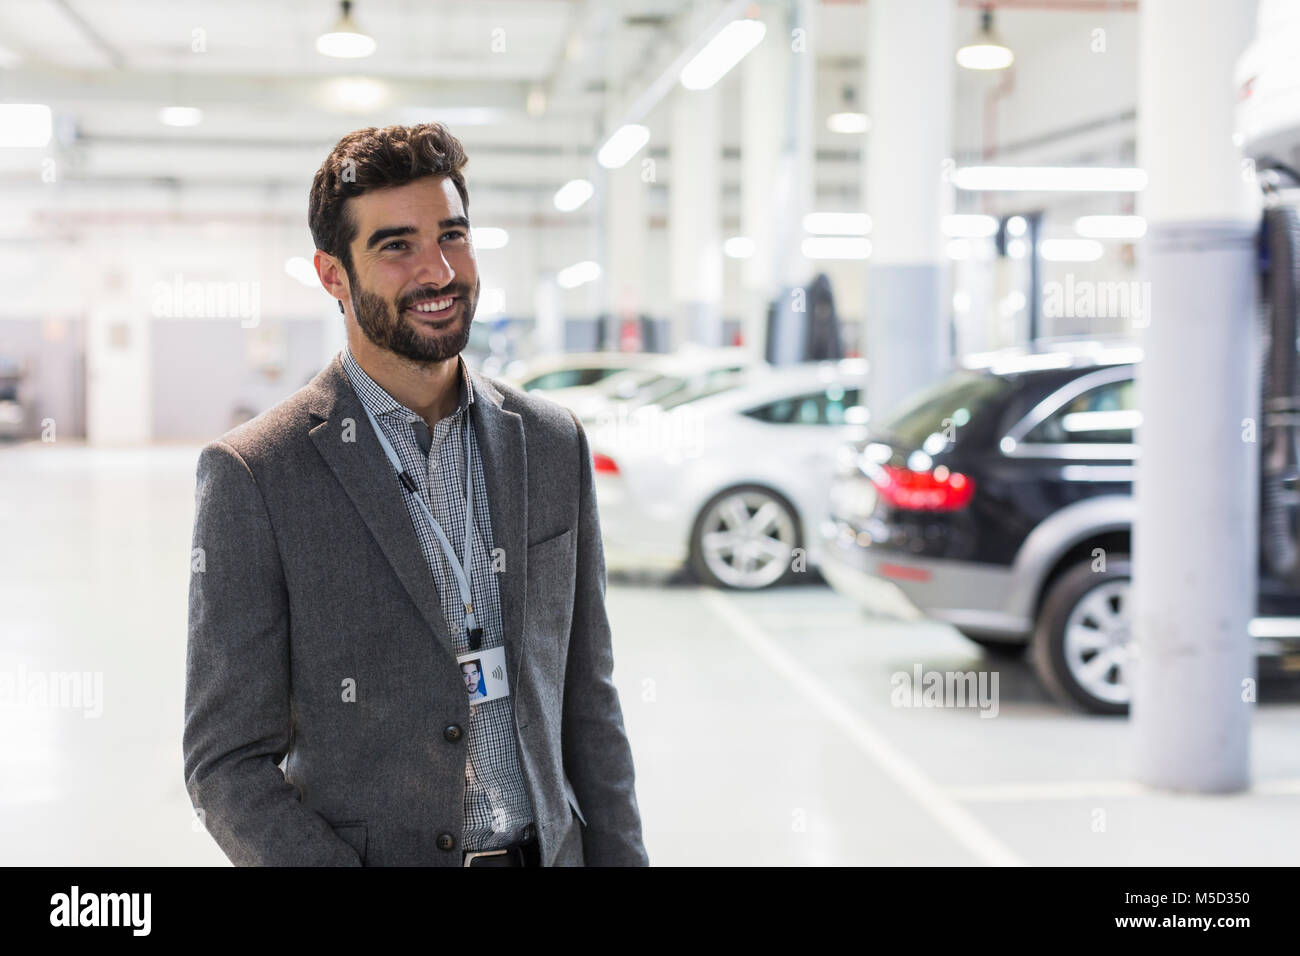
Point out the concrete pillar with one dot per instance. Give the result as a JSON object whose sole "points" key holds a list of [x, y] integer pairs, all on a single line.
{"points": [[1194, 544], [548, 327], [909, 96], [625, 225], [776, 160], [796, 182], [695, 218], [762, 85]]}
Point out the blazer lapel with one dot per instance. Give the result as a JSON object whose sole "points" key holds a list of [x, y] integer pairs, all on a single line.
{"points": [[362, 468], [499, 434]]}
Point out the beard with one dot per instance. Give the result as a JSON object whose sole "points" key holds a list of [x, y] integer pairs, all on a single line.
{"points": [[387, 325]]}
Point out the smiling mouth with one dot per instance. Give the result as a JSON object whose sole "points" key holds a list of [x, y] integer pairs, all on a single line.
{"points": [[434, 309]]}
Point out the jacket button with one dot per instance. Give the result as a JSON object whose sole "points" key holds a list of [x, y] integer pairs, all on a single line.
{"points": [[452, 732], [446, 841]]}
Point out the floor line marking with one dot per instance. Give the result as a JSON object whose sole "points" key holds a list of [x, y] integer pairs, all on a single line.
{"points": [[1050, 790], [967, 830], [1080, 789]]}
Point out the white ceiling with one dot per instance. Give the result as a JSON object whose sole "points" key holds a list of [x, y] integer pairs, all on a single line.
{"points": [[107, 66]]}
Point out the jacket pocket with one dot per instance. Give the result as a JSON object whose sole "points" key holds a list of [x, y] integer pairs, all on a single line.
{"points": [[549, 597], [355, 834], [573, 800]]}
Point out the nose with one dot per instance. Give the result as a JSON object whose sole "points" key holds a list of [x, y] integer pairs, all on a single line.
{"points": [[434, 269]]}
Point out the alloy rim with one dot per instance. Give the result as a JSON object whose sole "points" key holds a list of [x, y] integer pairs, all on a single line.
{"points": [[747, 540], [1098, 642]]}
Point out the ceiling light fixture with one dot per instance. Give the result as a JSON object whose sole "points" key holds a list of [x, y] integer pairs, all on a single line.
{"points": [[852, 123], [489, 237], [573, 194], [578, 274], [345, 39], [180, 116], [355, 94], [986, 51], [623, 145], [299, 268], [721, 53], [848, 119], [25, 124]]}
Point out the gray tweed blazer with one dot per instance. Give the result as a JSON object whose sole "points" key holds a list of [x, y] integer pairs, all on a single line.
{"points": [[308, 575]]}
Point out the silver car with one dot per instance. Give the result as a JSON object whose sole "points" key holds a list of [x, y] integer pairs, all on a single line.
{"points": [[565, 370], [659, 379], [731, 477]]}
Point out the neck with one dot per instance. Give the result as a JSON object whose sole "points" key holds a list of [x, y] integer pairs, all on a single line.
{"points": [[430, 389]]}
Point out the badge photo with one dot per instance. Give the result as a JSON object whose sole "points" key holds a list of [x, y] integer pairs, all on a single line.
{"points": [[484, 674]]}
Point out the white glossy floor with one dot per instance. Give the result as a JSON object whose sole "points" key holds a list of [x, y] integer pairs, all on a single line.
{"points": [[761, 724]]}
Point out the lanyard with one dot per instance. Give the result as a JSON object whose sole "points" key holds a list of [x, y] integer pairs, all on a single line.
{"points": [[472, 631]]}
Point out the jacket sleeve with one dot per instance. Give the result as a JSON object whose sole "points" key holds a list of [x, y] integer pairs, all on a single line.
{"points": [[237, 680], [597, 757]]}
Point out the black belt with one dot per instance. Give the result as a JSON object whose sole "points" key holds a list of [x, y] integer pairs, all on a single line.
{"points": [[519, 854]]}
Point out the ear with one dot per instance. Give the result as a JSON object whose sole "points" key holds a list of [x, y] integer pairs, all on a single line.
{"points": [[332, 275]]}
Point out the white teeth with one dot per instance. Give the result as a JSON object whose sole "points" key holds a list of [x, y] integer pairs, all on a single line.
{"points": [[436, 306]]}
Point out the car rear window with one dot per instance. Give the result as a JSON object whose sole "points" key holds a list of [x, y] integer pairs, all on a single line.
{"points": [[1106, 414], [950, 403], [827, 406], [568, 378], [626, 382], [685, 396]]}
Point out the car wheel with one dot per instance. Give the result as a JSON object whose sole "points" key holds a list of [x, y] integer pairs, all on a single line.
{"points": [[1006, 650], [744, 539], [1083, 643]]}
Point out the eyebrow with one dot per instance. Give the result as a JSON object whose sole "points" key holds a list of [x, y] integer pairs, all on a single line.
{"points": [[389, 232]]}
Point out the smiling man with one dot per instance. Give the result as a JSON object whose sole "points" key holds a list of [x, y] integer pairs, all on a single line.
{"points": [[360, 544]]}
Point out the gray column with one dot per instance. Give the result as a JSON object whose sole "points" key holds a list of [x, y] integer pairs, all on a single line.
{"points": [[548, 327], [796, 177], [777, 179], [1194, 544], [763, 84], [909, 96], [695, 217], [625, 226]]}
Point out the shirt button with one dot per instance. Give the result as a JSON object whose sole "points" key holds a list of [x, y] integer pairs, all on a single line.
{"points": [[452, 732], [446, 841]]}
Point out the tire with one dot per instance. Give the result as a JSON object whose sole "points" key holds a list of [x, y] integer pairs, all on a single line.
{"points": [[1082, 642], [718, 564], [1003, 650]]}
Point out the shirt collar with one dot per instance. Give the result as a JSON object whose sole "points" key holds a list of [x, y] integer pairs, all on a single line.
{"points": [[377, 399]]}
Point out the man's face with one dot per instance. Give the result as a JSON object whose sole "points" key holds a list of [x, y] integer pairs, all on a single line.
{"points": [[412, 253], [471, 678]]}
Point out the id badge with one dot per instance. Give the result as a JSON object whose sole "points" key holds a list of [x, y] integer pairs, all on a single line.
{"points": [[484, 674]]}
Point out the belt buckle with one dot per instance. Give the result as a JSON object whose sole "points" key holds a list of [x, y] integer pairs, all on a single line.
{"points": [[473, 855]]}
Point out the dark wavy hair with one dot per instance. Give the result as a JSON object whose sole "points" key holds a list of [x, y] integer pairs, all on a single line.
{"points": [[374, 158]]}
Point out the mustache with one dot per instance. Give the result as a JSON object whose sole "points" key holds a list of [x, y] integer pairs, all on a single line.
{"points": [[432, 292]]}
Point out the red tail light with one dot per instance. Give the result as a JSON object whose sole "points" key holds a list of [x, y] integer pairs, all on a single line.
{"points": [[603, 464], [938, 490]]}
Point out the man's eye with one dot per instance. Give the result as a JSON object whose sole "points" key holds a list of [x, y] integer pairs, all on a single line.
{"points": [[395, 242], [456, 234]]}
